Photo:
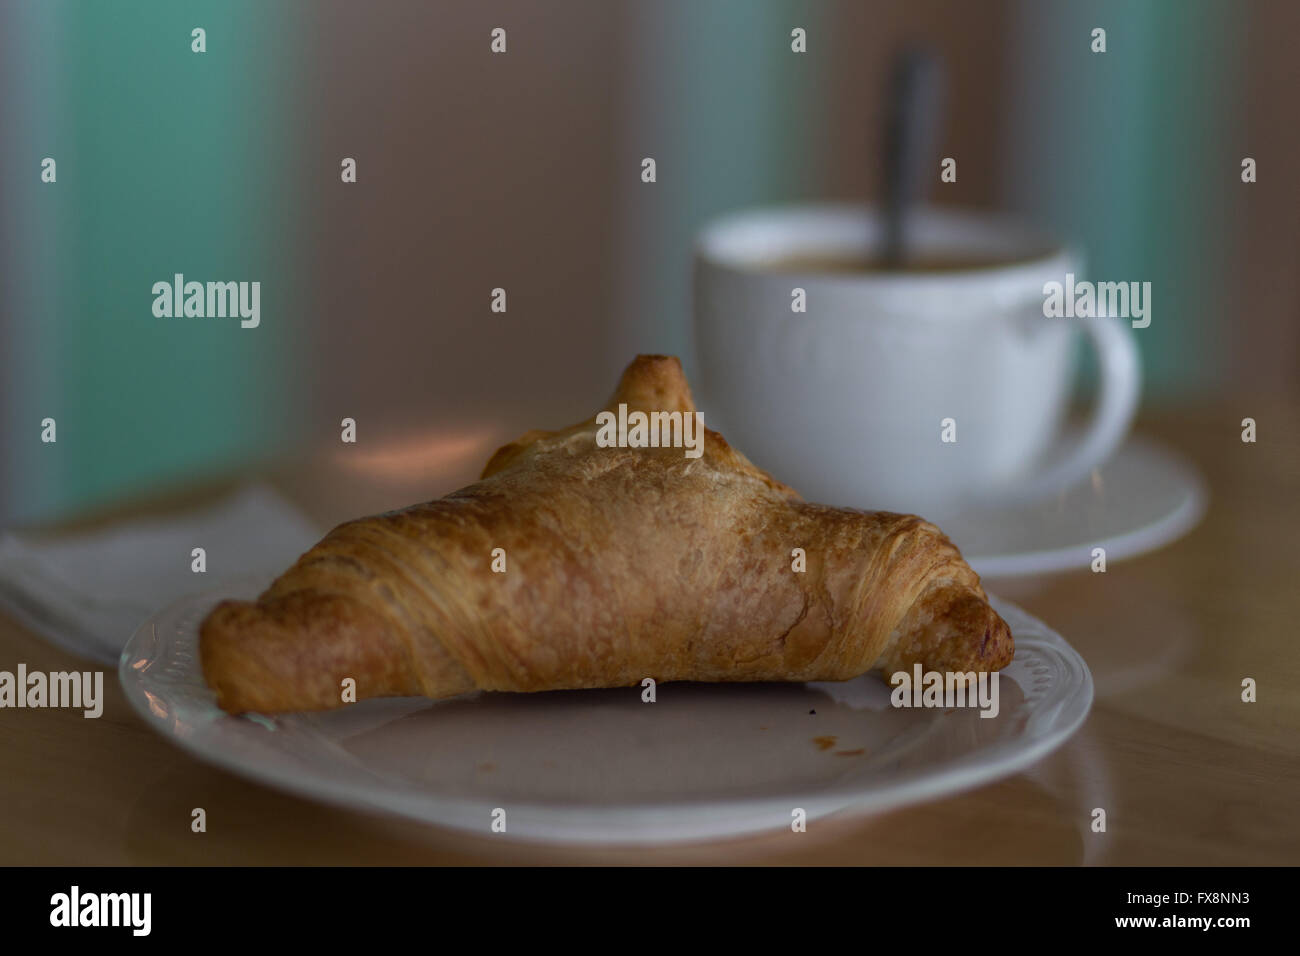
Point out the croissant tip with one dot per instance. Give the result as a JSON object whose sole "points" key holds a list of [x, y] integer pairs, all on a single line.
{"points": [[973, 637], [997, 647], [654, 383], [292, 653], [651, 359], [962, 633]]}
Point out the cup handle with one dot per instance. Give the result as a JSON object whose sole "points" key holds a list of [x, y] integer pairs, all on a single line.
{"points": [[1121, 382]]}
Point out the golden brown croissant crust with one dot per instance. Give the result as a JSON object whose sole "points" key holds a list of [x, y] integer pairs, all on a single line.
{"points": [[620, 564]]}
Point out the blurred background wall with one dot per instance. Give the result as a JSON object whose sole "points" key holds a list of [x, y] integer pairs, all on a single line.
{"points": [[167, 161], [522, 171]]}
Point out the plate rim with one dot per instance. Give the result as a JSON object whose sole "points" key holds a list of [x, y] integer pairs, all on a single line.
{"points": [[700, 819]]}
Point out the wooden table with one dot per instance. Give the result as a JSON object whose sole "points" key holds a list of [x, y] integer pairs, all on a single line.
{"points": [[1187, 772]]}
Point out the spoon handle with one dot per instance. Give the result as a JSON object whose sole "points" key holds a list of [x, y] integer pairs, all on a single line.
{"points": [[912, 124]]}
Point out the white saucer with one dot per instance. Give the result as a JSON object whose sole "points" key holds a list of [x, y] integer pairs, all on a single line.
{"points": [[703, 761], [1140, 500]]}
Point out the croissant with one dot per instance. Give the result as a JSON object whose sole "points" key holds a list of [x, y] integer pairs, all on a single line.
{"points": [[571, 564]]}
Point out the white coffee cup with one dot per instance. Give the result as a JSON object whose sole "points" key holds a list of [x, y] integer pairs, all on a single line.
{"points": [[850, 401]]}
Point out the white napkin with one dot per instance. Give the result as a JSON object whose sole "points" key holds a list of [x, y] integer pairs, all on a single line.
{"points": [[89, 593]]}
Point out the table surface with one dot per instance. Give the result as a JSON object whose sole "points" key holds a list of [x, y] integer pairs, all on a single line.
{"points": [[1186, 771]]}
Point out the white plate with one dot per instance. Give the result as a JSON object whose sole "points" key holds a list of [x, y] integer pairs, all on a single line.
{"points": [[1140, 500], [703, 761]]}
